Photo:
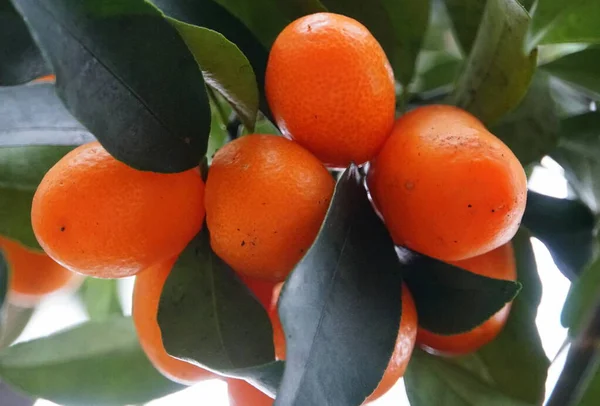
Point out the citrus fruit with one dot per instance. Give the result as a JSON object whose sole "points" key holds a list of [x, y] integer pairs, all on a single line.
{"points": [[34, 275], [499, 264], [97, 216], [146, 296], [266, 198], [241, 393], [446, 186], [405, 341], [331, 88]]}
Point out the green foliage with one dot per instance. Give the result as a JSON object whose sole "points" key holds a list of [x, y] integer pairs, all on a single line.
{"points": [[13, 320], [101, 298], [580, 69]]}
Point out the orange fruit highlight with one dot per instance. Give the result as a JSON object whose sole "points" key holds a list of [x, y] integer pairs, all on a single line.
{"points": [[146, 296], [331, 88], [45, 79], [403, 349], [499, 264], [241, 393], [97, 216], [446, 186], [266, 198], [34, 275]]}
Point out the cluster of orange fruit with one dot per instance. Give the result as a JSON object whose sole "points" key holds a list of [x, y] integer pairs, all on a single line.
{"points": [[444, 185]]}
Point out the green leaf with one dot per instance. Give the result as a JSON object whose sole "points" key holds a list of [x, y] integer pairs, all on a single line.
{"points": [[95, 363], [566, 227], [127, 75], [578, 153], [225, 68], [297, 8], [431, 380], [435, 70], [341, 306], [399, 25], [20, 59], [208, 316], [561, 21], [592, 394], [13, 321], [464, 298], [497, 73], [218, 127], [35, 132], [531, 130], [101, 298], [568, 100], [466, 17], [440, 35], [579, 69]]}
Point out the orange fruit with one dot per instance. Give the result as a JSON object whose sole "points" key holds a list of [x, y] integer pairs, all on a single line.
{"points": [[446, 186], [241, 393], [331, 88], [97, 216], [499, 264], [45, 79], [266, 198], [34, 275], [146, 296], [405, 341]]}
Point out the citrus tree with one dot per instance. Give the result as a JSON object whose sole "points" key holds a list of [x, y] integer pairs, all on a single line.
{"points": [[318, 197]]}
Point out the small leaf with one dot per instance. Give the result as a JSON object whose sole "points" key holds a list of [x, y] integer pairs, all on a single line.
{"points": [[497, 73], [225, 68], [566, 227], [561, 21], [101, 298], [578, 153], [13, 321], [99, 363], [579, 69], [399, 25], [466, 17], [341, 306], [20, 59], [531, 130], [218, 127], [209, 317], [465, 299], [127, 75]]}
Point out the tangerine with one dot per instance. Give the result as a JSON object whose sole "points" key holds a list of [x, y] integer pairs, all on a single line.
{"points": [[241, 393]]}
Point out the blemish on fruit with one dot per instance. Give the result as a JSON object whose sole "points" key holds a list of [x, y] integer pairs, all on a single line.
{"points": [[62, 228], [409, 185]]}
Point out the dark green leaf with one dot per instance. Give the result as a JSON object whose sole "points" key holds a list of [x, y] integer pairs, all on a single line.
{"points": [[568, 100], [578, 153], [297, 8], [209, 317], [101, 298], [20, 59], [440, 35], [497, 73], [341, 306], [591, 396], [399, 25], [466, 16], [13, 321], [35, 132], [559, 21], [531, 130], [96, 363], [579, 69], [225, 68], [127, 75], [436, 70], [431, 380], [566, 227]]}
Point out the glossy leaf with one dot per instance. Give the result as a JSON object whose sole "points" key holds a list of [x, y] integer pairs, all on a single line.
{"points": [[101, 298], [127, 75], [579, 69], [341, 306], [225, 68], [98, 363], [582, 298], [531, 130], [566, 227], [497, 72], [560, 21], [13, 321], [20, 59], [398, 25], [208, 316], [578, 153], [465, 299]]}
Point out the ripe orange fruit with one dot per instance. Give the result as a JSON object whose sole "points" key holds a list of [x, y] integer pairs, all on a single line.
{"points": [[331, 88], [446, 186], [45, 79], [241, 393], [98, 216], [266, 198], [405, 341], [34, 275], [499, 264], [146, 296]]}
